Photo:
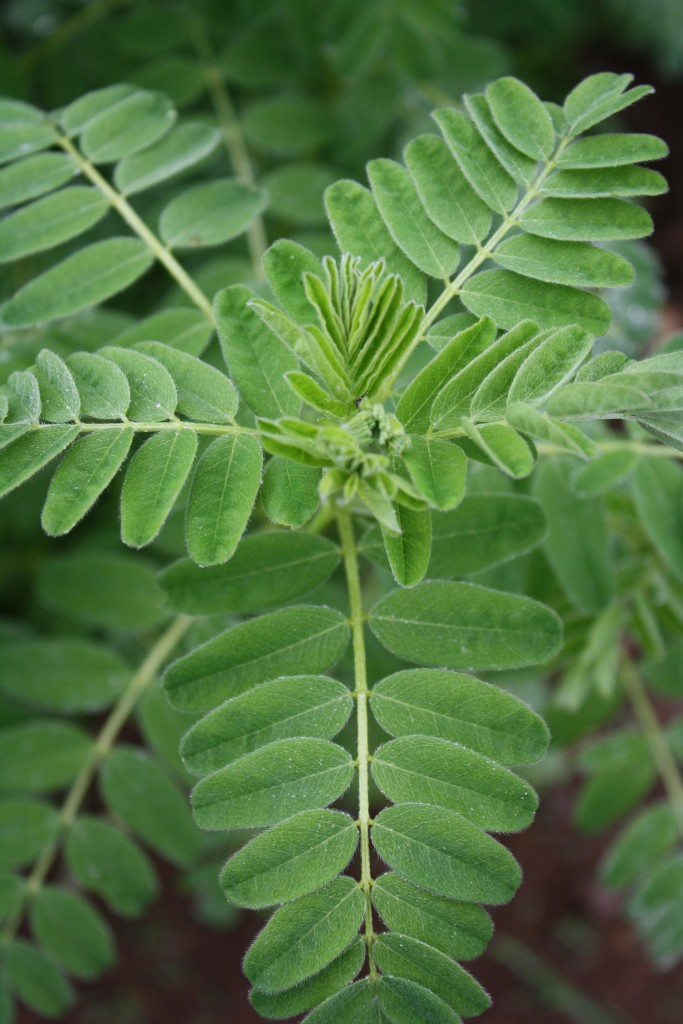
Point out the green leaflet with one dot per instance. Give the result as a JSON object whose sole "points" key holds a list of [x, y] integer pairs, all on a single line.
{"points": [[289, 492], [398, 201], [135, 788], [290, 860], [102, 386], [463, 348], [204, 393], [72, 931], [622, 182], [67, 676], [485, 530], [587, 220], [40, 756], [287, 707], [26, 828], [48, 222], [612, 151], [446, 194], [438, 469], [503, 447], [23, 394], [285, 264], [577, 545], [127, 126], [11, 894], [22, 130], [656, 911], [460, 930], [521, 167], [184, 147], [456, 707], [256, 358], [303, 638], [409, 551], [59, 396], [510, 297], [29, 453], [222, 495], [549, 365], [273, 783], [601, 399], [185, 329], [622, 772], [481, 168], [404, 957], [295, 192], [601, 475], [426, 769], [106, 862], [266, 570], [658, 493], [286, 125], [336, 976], [385, 1001], [598, 97], [521, 117], [438, 850], [210, 214], [76, 117], [645, 842], [32, 177], [87, 469], [153, 395], [360, 230], [153, 482], [122, 591], [560, 262], [461, 625], [36, 981], [84, 279], [303, 937]]}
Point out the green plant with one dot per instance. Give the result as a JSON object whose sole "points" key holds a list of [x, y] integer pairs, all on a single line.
{"points": [[397, 395]]}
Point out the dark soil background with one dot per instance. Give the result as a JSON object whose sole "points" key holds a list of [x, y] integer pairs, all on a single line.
{"points": [[562, 951]]}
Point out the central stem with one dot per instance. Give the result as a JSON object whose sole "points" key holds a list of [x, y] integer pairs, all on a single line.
{"points": [[361, 692]]}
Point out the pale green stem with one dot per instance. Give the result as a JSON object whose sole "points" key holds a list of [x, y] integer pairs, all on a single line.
{"points": [[104, 742], [134, 221], [663, 756], [233, 136], [357, 618]]}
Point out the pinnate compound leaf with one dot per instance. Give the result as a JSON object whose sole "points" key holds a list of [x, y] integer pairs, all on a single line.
{"points": [[438, 469], [283, 708], [136, 789], [464, 710], [40, 756], [36, 981], [272, 784], [29, 452], [257, 359], [485, 530], [333, 978], [460, 930], [48, 222], [87, 469], [290, 860], [577, 544], [266, 570], [401, 209], [521, 117], [68, 676], [222, 496], [153, 395], [210, 214], [462, 625], [107, 863], [102, 386], [400, 956], [153, 482], [426, 769], [305, 936], [289, 492], [303, 638], [70, 929], [438, 850], [360, 230], [184, 147], [204, 393], [83, 279]]}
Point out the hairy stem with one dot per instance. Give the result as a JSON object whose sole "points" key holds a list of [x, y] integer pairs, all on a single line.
{"points": [[233, 136], [668, 769], [134, 221], [357, 619], [101, 749]]}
